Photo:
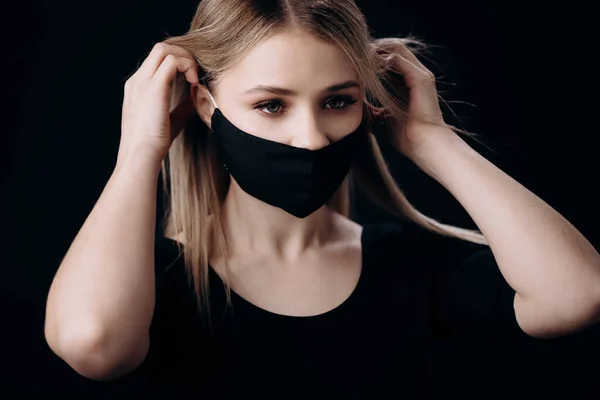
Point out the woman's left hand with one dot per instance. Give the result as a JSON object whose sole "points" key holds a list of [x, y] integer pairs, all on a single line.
{"points": [[425, 122]]}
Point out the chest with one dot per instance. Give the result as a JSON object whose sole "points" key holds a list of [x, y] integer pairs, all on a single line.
{"points": [[375, 344], [309, 286], [376, 339], [353, 354]]}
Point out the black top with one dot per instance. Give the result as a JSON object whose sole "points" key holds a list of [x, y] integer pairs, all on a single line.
{"points": [[415, 287]]}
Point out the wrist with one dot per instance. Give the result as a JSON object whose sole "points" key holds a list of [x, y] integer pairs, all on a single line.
{"points": [[141, 160], [434, 154]]}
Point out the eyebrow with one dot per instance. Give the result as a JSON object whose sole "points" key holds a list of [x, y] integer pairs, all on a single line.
{"points": [[289, 92]]}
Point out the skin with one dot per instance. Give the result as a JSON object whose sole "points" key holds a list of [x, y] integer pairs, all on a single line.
{"points": [[307, 266], [279, 262], [553, 269]]}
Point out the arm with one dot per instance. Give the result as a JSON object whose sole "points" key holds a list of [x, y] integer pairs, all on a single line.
{"points": [[552, 267], [101, 300]]}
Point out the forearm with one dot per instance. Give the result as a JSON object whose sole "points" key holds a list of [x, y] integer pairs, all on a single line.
{"points": [[541, 255], [102, 296]]}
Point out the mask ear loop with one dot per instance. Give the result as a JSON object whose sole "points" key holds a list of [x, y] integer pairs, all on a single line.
{"points": [[216, 107], [213, 100], [205, 83]]}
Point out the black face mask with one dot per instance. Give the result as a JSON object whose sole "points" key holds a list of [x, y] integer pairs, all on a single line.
{"points": [[297, 180]]}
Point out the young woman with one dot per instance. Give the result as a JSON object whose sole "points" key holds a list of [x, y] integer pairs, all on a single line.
{"points": [[259, 117]]}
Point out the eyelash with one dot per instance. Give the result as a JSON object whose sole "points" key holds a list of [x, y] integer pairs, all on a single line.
{"points": [[348, 101]]}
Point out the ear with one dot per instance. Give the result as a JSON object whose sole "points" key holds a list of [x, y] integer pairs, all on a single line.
{"points": [[202, 103]]}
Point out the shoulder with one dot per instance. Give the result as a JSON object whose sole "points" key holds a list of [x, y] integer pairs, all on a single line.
{"points": [[408, 239], [402, 229], [168, 252], [390, 236], [176, 237], [396, 250]]}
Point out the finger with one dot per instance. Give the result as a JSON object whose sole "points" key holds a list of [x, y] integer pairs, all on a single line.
{"points": [[404, 51], [171, 66], [424, 98], [412, 73], [156, 57], [396, 46]]}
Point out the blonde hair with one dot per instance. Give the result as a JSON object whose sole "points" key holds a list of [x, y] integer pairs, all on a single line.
{"points": [[221, 33]]}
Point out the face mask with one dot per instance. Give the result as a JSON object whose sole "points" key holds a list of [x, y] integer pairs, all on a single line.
{"points": [[297, 180]]}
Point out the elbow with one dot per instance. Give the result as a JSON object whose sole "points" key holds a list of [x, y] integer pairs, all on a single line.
{"points": [[595, 310], [557, 317], [94, 357]]}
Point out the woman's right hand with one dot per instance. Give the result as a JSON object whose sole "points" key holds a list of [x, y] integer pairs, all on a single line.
{"points": [[147, 127]]}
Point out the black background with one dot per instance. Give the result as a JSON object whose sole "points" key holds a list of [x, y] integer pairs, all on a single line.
{"points": [[524, 73]]}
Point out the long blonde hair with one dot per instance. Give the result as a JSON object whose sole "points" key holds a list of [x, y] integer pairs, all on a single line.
{"points": [[221, 32]]}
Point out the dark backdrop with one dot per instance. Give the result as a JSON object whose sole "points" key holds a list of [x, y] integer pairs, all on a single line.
{"points": [[524, 74]]}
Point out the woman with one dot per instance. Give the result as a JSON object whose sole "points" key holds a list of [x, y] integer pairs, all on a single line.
{"points": [[286, 295]]}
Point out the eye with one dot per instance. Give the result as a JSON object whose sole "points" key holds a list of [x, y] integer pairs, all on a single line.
{"points": [[272, 107], [344, 100]]}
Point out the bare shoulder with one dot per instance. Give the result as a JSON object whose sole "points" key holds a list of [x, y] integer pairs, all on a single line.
{"points": [[178, 237], [347, 229]]}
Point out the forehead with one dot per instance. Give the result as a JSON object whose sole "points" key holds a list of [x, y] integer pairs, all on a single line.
{"points": [[294, 59]]}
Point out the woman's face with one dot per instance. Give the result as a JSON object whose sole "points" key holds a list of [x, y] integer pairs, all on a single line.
{"points": [[291, 88]]}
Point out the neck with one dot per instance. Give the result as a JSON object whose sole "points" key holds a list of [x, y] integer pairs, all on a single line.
{"points": [[252, 225]]}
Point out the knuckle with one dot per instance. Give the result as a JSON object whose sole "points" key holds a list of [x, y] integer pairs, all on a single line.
{"points": [[170, 59], [427, 77], [191, 64], [128, 85], [159, 47]]}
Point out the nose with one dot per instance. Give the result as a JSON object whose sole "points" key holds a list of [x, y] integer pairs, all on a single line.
{"points": [[309, 136]]}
